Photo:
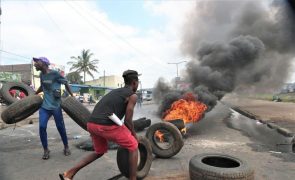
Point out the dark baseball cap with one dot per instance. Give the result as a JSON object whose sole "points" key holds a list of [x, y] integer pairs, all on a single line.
{"points": [[130, 72], [42, 59]]}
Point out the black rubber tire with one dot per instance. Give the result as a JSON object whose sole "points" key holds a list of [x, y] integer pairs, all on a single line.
{"points": [[141, 124], [145, 155], [179, 123], [88, 145], [219, 166], [14, 85], [177, 137], [77, 111], [21, 109], [112, 145]]}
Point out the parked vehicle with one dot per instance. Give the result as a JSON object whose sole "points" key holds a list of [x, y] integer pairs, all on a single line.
{"points": [[81, 99], [147, 95]]}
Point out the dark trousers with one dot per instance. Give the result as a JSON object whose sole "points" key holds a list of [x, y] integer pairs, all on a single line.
{"points": [[44, 116]]}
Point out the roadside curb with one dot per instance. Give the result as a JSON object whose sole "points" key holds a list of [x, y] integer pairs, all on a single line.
{"points": [[283, 131]]}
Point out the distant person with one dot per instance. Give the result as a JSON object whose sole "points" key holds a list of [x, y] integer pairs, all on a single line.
{"points": [[121, 102], [90, 99], [51, 81], [139, 100]]}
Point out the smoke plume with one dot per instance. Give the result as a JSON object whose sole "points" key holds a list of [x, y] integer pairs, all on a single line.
{"points": [[236, 45]]}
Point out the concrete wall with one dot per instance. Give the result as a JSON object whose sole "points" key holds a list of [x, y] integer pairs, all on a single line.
{"points": [[24, 69], [107, 81]]}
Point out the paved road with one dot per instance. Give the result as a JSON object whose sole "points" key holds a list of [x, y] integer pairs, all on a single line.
{"points": [[278, 114], [220, 131]]}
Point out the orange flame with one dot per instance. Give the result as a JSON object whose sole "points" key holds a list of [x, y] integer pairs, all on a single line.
{"points": [[188, 109], [159, 135]]}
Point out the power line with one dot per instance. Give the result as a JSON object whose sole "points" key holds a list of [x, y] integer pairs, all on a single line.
{"points": [[14, 54], [118, 36], [57, 26], [82, 16]]}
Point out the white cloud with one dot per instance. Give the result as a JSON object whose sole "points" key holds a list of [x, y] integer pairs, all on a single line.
{"points": [[55, 29]]}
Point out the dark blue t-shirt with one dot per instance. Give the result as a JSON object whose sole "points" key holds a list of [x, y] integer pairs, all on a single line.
{"points": [[50, 82]]}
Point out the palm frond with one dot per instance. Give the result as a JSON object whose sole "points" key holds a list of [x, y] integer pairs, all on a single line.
{"points": [[84, 63]]}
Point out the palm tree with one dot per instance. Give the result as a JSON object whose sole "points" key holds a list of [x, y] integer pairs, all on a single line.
{"points": [[84, 63]]}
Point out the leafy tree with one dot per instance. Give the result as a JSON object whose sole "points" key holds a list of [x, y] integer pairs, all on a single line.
{"points": [[74, 78], [84, 63]]}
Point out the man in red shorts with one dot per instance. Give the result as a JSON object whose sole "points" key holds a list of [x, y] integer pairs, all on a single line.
{"points": [[120, 102]]}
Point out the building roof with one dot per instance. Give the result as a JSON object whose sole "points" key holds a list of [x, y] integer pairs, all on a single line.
{"points": [[89, 86]]}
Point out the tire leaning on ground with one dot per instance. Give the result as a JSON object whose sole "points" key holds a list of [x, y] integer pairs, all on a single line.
{"points": [[21, 109], [219, 166], [141, 123], [14, 85], [145, 158], [176, 135], [77, 111]]}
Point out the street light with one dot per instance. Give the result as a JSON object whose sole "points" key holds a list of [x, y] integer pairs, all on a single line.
{"points": [[177, 65]]}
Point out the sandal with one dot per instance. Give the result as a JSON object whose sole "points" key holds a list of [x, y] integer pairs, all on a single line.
{"points": [[62, 177], [46, 155], [67, 152]]}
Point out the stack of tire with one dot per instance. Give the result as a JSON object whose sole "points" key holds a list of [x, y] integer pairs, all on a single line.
{"points": [[18, 110]]}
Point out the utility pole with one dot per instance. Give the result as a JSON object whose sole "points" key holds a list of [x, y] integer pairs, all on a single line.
{"points": [[104, 79], [177, 63], [0, 33]]}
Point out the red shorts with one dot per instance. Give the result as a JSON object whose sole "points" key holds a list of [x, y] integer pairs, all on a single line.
{"points": [[121, 135]]}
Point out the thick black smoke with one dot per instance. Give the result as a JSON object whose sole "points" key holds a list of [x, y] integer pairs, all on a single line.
{"points": [[160, 90], [235, 45], [256, 49]]}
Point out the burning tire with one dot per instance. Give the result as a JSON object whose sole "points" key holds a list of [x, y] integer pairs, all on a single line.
{"points": [[79, 113], [145, 159], [16, 86], [21, 109], [219, 166], [171, 142], [179, 123]]}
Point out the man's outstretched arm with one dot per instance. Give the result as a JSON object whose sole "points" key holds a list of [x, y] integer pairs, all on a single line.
{"points": [[129, 114]]}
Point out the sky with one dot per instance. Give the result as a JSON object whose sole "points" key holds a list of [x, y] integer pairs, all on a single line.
{"points": [[140, 35]]}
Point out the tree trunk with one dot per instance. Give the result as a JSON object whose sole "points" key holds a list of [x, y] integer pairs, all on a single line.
{"points": [[84, 76]]}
